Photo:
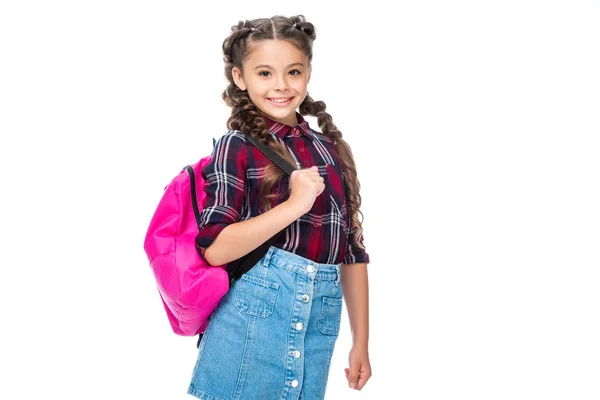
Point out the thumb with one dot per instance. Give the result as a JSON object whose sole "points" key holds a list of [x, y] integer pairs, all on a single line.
{"points": [[353, 375]]}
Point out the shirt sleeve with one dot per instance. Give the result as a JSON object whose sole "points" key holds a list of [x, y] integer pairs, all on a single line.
{"points": [[355, 254], [224, 180]]}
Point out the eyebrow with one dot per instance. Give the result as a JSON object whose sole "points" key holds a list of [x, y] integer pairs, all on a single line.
{"points": [[268, 66]]}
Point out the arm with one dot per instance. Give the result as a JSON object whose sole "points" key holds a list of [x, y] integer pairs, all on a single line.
{"points": [[221, 237], [355, 288], [240, 238]]}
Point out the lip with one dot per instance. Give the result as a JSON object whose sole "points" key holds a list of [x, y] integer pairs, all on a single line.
{"points": [[280, 104]]}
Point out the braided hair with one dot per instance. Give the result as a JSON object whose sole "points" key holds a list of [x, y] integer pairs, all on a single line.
{"points": [[246, 118]]}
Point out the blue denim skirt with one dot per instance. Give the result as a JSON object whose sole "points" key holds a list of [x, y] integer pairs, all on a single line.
{"points": [[273, 334]]}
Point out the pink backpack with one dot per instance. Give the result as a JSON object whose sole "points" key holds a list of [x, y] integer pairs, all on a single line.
{"points": [[189, 287]]}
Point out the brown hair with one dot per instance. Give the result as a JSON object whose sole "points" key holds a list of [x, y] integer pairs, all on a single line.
{"points": [[245, 117]]}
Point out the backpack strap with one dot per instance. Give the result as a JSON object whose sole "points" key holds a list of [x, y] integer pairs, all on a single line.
{"points": [[190, 172], [237, 268], [273, 156]]}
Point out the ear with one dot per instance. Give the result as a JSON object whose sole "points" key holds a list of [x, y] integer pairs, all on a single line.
{"points": [[308, 72], [238, 79]]}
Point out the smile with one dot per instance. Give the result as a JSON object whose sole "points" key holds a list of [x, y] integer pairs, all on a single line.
{"points": [[280, 101]]}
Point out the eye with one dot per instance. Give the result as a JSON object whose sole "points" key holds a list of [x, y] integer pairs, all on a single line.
{"points": [[298, 72], [265, 72]]}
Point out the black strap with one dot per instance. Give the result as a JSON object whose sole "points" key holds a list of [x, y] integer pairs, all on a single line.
{"points": [[276, 158], [190, 171], [237, 268]]}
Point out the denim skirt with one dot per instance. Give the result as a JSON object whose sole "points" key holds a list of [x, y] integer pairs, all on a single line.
{"points": [[273, 333]]}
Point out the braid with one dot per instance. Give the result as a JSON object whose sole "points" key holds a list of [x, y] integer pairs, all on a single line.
{"points": [[352, 184]]}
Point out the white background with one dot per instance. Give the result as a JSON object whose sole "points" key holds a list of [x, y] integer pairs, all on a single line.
{"points": [[475, 129]]}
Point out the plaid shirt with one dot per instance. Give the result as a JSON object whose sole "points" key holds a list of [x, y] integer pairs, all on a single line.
{"points": [[232, 182]]}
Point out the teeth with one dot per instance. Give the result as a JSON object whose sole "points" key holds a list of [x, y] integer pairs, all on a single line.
{"points": [[280, 100]]}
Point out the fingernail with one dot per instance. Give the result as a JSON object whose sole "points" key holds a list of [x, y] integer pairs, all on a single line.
{"points": [[352, 385]]}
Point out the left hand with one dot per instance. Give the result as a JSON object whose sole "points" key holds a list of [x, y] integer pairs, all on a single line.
{"points": [[360, 368]]}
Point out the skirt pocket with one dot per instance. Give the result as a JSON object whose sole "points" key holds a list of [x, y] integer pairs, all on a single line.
{"points": [[330, 316], [256, 296]]}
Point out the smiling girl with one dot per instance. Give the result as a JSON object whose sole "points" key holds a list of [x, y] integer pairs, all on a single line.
{"points": [[273, 334]]}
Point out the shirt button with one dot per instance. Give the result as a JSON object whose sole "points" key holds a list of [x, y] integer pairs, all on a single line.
{"points": [[305, 298], [296, 354], [316, 224], [310, 268], [294, 383], [301, 149], [299, 326]]}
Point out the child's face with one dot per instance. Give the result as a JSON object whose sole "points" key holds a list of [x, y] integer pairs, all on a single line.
{"points": [[275, 69]]}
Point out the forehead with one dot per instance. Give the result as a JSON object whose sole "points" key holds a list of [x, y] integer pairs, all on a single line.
{"points": [[278, 53]]}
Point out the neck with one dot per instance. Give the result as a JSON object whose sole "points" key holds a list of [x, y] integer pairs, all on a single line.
{"points": [[290, 120]]}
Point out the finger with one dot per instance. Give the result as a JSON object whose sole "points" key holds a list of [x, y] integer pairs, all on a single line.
{"points": [[312, 170], [353, 379], [363, 377], [321, 190]]}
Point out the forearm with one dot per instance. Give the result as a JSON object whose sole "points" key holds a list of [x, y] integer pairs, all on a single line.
{"points": [[355, 288], [240, 238]]}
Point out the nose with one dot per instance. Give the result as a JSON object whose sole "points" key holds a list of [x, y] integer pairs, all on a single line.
{"points": [[281, 83]]}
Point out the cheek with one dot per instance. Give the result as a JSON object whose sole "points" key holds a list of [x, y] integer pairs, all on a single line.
{"points": [[300, 86], [257, 89]]}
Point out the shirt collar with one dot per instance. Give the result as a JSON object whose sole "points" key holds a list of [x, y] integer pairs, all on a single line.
{"points": [[281, 131]]}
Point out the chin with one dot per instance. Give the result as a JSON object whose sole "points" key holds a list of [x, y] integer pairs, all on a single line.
{"points": [[281, 113]]}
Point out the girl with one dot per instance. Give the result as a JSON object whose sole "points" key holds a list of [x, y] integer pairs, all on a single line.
{"points": [[273, 334]]}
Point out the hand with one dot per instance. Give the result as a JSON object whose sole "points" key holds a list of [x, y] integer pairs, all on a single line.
{"points": [[305, 185], [360, 368]]}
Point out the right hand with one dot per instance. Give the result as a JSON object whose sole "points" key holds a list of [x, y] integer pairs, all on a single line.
{"points": [[306, 184]]}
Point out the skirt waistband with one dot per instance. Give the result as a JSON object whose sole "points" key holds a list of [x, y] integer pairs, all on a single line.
{"points": [[300, 265]]}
